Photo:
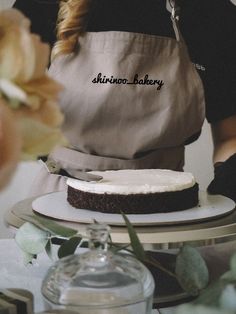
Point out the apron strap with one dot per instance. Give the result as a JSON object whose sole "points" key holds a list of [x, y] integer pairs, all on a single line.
{"points": [[167, 158], [175, 12]]}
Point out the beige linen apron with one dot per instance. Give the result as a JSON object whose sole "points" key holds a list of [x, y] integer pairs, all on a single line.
{"points": [[131, 101]]}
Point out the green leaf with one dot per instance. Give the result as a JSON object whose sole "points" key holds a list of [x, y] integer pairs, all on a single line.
{"points": [[31, 239], [229, 276], [211, 295], [233, 264], [49, 225], [136, 245], [191, 270], [200, 309], [68, 247]]}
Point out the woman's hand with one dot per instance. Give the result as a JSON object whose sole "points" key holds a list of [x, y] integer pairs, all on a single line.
{"points": [[224, 137], [224, 182]]}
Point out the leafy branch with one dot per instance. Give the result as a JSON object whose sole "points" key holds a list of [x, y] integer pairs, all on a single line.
{"points": [[38, 233], [218, 298]]}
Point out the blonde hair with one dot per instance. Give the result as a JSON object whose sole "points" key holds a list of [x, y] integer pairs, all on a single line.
{"points": [[71, 24]]}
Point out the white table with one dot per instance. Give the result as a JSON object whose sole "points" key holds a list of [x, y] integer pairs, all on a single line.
{"points": [[14, 274]]}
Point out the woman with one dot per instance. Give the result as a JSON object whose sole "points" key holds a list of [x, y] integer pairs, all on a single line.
{"points": [[133, 98]]}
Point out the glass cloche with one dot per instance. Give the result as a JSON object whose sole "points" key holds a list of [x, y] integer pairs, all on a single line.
{"points": [[98, 281]]}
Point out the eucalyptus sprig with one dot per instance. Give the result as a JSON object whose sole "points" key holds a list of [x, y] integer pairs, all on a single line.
{"points": [[38, 233], [218, 298]]}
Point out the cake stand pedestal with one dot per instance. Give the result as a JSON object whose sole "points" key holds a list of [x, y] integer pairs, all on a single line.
{"points": [[161, 238]]}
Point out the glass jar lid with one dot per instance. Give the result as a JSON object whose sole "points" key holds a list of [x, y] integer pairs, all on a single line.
{"points": [[98, 278]]}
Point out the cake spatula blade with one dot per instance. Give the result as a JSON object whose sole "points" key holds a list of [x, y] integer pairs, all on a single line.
{"points": [[54, 167], [83, 175]]}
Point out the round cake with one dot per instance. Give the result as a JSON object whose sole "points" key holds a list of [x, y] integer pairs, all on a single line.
{"points": [[135, 191]]}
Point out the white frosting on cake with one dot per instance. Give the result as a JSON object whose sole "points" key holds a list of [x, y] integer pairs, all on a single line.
{"points": [[141, 181]]}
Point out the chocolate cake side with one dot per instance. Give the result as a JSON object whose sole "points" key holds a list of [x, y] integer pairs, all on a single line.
{"points": [[134, 203]]}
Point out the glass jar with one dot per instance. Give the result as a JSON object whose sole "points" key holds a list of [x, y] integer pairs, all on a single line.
{"points": [[98, 281]]}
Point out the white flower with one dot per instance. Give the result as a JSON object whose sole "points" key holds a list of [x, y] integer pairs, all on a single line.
{"points": [[30, 118], [10, 144]]}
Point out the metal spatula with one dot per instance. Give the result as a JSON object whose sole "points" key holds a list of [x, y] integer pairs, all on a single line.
{"points": [[54, 167]]}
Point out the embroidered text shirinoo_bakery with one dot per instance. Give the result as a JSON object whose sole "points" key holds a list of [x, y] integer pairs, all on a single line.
{"points": [[103, 79]]}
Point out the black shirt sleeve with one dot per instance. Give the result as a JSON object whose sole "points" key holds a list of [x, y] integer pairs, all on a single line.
{"points": [[208, 27], [43, 16]]}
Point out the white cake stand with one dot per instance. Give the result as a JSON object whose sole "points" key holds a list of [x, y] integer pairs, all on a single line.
{"points": [[203, 231]]}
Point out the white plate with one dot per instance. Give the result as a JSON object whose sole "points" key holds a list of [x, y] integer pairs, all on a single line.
{"points": [[55, 205]]}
